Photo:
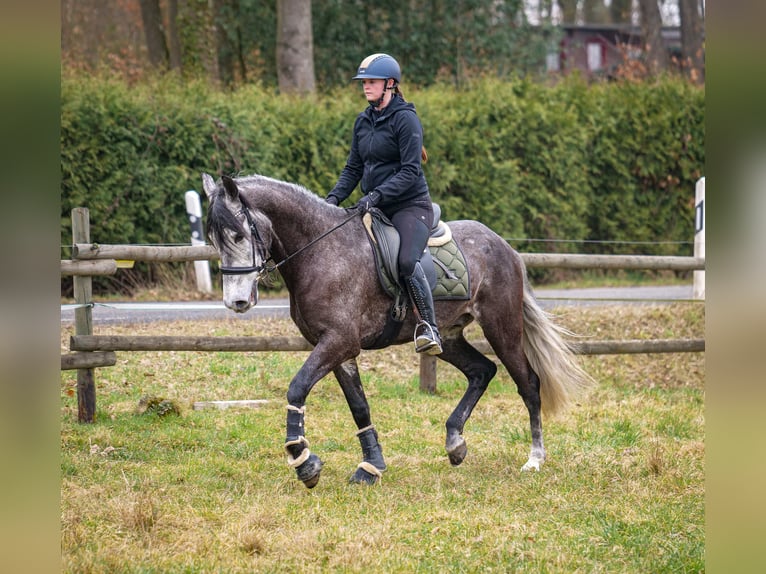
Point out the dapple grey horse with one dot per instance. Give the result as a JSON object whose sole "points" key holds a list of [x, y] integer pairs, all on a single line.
{"points": [[339, 306]]}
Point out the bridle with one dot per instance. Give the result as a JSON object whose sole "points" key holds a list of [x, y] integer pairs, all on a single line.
{"points": [[255, 238]]}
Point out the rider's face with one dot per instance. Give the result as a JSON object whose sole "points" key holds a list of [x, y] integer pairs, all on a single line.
{"points": [[373, 89]]}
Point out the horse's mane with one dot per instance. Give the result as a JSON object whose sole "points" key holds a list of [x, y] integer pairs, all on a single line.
{"points": [[258, 180], [220, 220]]}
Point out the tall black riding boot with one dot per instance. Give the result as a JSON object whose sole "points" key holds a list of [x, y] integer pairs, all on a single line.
{"points": [[427, 338]]}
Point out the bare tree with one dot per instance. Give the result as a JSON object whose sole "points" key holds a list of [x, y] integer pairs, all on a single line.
{"points": [[153, 30], [692, 38], [295, 46], [656, 57]]}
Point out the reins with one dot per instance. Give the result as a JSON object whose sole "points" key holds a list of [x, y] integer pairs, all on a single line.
{"points": [[309, 244], [256, 238]]}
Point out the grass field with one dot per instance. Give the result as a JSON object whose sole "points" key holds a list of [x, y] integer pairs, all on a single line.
{"points": [[209, 491]]}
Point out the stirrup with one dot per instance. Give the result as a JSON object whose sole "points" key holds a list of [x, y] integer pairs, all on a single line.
{"points": [[428, 341]]}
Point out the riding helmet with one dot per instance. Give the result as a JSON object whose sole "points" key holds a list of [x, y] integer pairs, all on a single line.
{"points": [[379, 67]]}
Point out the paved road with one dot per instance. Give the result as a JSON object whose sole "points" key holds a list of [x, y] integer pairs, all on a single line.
{"points": [[121, 313]]}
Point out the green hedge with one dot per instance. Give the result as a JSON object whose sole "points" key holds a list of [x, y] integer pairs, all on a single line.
{"points": [[608, 161]]}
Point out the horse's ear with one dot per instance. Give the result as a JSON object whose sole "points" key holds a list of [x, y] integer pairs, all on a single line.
{"points": [[231, 188], [208, 184]]}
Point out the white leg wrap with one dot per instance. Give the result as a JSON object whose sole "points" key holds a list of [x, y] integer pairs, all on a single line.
{"points": [[360, 431], [305, 453], [296, 462], [366, 466]]}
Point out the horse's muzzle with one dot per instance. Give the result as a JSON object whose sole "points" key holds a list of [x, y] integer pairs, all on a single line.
{"points": [[240, 306]]}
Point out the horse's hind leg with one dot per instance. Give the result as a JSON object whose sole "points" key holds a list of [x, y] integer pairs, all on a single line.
{"points": [[479, 370], [508, 348], [370, 470]]}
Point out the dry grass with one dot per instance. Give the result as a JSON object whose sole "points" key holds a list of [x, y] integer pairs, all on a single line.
{"points": [[622, 490]]}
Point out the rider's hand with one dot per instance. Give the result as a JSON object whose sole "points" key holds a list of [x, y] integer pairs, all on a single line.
{"points": [[332, 200], [367, 202]]}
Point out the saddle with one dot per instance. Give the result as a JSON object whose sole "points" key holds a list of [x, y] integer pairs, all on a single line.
{"points": [[442, 261]]}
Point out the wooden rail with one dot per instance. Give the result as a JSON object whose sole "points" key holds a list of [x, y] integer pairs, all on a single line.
{"points": [[91, 251], [92, 259], [246, 344]]}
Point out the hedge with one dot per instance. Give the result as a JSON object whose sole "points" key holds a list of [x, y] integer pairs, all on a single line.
{"points": [[611, 162]]}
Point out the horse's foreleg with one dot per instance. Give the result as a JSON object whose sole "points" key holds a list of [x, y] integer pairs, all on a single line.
{"points": [[370, 470], [479, 370], [306, 464]]}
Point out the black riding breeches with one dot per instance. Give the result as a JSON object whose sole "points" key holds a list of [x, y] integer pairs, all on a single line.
{"points": [[414, 225]]}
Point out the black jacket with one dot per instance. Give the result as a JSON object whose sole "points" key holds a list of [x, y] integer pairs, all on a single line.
{"points": [[385, 157]]}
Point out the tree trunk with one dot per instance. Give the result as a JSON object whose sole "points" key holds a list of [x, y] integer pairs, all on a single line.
{"points": [[568, 11], [655, 54], [174, 41], [595, 12], [692, 42], [295, 51], [621, 11], [153, 30], [224, 14]]}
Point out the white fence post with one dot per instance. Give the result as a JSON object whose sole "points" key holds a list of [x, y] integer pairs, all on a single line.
{"points": [[201, 268], [699, 237]]}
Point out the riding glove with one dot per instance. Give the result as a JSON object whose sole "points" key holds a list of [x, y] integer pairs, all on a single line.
{"points": [[368, 201], [331, 199]]}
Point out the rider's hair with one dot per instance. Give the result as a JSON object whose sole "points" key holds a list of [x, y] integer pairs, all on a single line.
{"points": [[423, 152]]}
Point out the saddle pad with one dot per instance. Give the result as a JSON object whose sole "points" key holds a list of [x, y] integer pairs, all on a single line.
{"points": [[452, 280]]}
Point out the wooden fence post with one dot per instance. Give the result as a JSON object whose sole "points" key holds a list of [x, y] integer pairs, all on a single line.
{"points": [[428, 374], [83, 316]]}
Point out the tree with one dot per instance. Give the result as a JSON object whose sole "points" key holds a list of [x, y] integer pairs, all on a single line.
{"points": [[621, 11], [568, 11], [295, 46], [655, 55], [174, 42], [692, 38], [153, 30]]}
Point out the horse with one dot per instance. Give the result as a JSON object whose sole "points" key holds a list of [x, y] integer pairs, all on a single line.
{"points": [[339, 306]]}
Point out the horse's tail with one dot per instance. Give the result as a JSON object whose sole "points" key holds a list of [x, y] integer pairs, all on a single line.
{"points": [[551, 356]]}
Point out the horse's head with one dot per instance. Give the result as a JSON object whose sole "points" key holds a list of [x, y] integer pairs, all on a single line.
{"points": [[242, 237]]}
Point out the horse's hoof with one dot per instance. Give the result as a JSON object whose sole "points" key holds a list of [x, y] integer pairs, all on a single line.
{"points": [[457, 453], [531, 465], [308, 472], [361, 476]]}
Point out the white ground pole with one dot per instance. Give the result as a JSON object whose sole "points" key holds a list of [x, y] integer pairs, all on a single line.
{"points": [[201, 268], [699, 237]]}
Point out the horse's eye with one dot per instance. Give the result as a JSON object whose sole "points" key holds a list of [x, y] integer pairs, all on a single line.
{"points": [[238, 238]]}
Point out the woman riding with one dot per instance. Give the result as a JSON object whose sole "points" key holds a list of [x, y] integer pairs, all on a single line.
{"points": [[386, 157]]}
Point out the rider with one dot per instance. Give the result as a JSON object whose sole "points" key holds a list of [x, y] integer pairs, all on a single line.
{"points": [[386, 156]]}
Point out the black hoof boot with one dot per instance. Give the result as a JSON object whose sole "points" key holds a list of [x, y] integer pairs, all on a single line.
{"points": [[370, 470], [308, 472]]}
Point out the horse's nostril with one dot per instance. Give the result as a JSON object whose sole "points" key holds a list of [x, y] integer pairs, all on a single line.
{"points": [[241, 306]]}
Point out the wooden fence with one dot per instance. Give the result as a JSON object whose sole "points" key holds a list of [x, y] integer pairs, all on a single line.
{"points": [[90, 351]]}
